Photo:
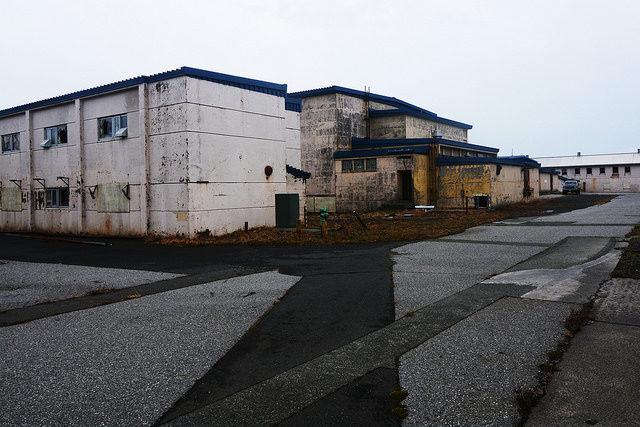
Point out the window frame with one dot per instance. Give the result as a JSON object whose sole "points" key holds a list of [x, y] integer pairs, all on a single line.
{"points": [[55, 140], [15, 142], [57, 192], [116, 125], [603, 171], [564, 171], [589, 171], [367, 165], [627, 170], [615, 170], [349, 166], [576, 171]]}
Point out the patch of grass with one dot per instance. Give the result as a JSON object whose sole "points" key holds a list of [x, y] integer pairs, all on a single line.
{"points": [[388, 226], [629, 264], [527, 399]]}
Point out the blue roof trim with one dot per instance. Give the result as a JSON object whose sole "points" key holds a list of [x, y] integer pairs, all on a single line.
{"points": [[511, 161], [380, 152], [225, 79], [387, 100], [406, 111], [548, 170], [293, 104], [359, 143]]}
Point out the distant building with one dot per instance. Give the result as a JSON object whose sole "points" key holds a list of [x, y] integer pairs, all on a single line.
{"points": [[606, 173]]}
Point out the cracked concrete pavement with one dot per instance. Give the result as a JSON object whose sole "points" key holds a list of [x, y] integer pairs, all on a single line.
{"points": [[474, 315]]}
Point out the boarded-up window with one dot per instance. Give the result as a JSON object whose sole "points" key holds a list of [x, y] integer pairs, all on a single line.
{"points": [[11, 199], [112, 197]]}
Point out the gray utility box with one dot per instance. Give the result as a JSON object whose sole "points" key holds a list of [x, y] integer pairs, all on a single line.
{"points": [[287, 210]]}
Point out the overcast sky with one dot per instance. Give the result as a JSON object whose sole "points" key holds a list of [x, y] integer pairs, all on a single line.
{"points": [[535, 77]]}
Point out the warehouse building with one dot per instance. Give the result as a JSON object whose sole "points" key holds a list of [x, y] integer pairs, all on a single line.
{"points": [[184, 152], [601, 173], [367, 151]]}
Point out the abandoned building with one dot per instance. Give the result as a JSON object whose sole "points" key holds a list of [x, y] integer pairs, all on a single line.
{"points": [[366, 151], [602, 173], [182, 152]]}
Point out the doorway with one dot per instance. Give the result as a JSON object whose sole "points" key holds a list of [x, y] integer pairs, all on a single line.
{"points": [[405, 182]]}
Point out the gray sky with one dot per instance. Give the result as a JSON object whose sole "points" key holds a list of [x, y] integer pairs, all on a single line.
{"points": [[535, 77]]}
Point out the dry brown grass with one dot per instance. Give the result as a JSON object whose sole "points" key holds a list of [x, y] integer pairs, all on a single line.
{"points": [[387, 226]]}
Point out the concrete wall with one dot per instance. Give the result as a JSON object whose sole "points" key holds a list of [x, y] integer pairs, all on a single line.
{"points": [[484, 180], [293, 157], [546, 182], [371, 190], [193, 160], [405, 126], [456, 181], [327, 124], [508, 186], [608, 182], [418, 127]]}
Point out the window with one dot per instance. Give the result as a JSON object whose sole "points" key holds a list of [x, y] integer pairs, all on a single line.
{"points": [[615, 170], [57, 197], [627, 169], [56, 135], [371, 165], [577, 171], [589, 171], [10, 142], [360, 165], [112, 127], [602, 171], [564, 171]]}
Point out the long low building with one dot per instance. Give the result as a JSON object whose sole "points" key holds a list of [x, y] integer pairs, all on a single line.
{"points": [[184, 152], [602, 173]]}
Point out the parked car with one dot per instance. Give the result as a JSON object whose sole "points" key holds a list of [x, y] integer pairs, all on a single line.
{"points": [[571, 186]]}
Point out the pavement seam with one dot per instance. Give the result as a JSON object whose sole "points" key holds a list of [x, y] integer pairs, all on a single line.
{"points": [[288, 392], [615, 323], [48, 309]]}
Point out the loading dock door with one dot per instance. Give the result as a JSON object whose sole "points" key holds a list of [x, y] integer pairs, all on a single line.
{"points": [[406, 185]]}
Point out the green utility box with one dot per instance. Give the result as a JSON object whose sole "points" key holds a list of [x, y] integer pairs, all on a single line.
{"points": [[287, 210]]}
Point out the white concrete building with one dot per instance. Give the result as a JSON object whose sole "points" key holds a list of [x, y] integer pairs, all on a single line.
{"points": [[614, 173], [178, 153]]}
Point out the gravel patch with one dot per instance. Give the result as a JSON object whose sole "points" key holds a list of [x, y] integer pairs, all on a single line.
{"points": [[126, 363], [28, 283], [467, 374], [429, 271]]}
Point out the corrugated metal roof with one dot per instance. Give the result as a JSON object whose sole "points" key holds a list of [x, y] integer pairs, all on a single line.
{"points": [[225, 79], [590, 160]]}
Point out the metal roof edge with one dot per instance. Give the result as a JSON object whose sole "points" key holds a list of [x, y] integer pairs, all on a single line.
{"points": [[377, 152], [404, 111], [418, 141], [452, 161], [226, 79]]}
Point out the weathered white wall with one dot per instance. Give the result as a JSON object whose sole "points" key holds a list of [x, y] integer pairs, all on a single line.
{"points": [[233, 135], [509, 185], [200, 148], [608, 182]]}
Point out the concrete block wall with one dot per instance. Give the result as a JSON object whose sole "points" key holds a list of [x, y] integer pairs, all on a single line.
{"points": [[508, 186]]}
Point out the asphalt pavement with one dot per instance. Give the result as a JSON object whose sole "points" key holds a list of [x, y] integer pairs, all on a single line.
{"points": [[308, 335]]}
